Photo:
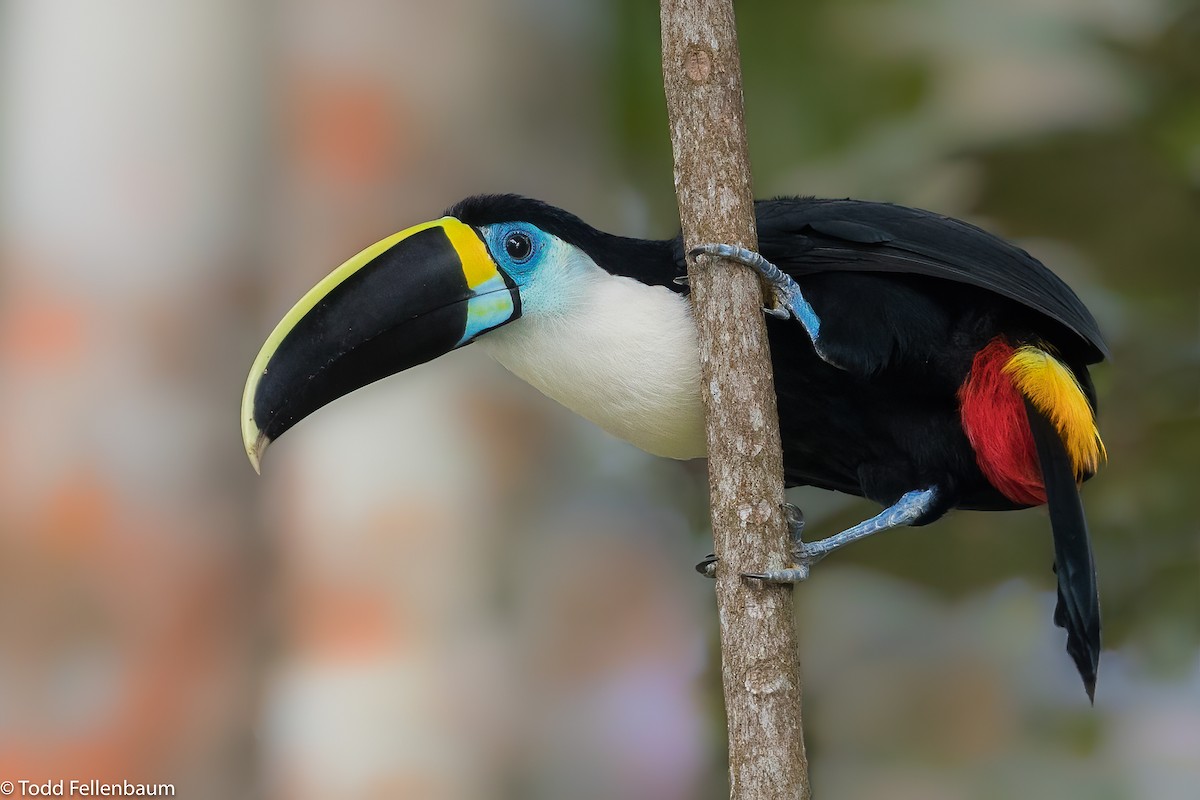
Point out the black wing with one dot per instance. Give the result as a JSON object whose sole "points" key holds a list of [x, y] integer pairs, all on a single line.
{"points": [[806, 236]]}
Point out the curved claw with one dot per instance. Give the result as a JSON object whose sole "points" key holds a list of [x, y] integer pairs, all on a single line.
{"points": [[708, 566]]}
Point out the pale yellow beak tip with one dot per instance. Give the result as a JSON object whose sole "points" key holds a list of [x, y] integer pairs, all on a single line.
{"points": [[255, 451]]}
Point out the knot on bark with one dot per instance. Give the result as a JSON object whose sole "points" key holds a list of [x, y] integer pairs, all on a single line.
{"points": [[766, 678], [697, 64]]}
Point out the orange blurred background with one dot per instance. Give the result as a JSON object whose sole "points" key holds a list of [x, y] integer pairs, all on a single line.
{"points": [[445, 586]]}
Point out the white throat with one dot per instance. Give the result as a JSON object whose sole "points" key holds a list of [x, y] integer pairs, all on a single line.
{"points": [[616, 351]]}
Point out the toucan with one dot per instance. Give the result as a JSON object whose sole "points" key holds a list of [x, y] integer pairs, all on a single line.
{"points": [[919, 361]]}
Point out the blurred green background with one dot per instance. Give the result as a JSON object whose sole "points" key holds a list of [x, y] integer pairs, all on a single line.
{"points": [[445, 586]]}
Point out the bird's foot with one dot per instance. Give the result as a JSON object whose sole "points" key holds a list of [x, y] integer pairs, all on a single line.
{"points": [[788, 299], [804, 555], [910, 508]]}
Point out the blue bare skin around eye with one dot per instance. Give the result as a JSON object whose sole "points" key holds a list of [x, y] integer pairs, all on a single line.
{"points": [[492, 306], [541, 289], [495, 236]]}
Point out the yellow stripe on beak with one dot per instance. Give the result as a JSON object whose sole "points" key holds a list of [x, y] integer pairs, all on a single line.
{"points": [[477, 264]]}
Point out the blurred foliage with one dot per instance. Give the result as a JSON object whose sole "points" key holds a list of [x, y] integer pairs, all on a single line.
{"points": [[1110, 201]]}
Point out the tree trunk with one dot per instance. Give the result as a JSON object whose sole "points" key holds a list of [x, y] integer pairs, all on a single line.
{"points": [[759, 663]]}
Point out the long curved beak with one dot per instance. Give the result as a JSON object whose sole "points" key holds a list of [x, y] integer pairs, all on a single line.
{"points": [[401, 302]]}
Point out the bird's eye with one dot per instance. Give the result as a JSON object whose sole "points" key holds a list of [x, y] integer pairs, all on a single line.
{"points": [[519, 246]]}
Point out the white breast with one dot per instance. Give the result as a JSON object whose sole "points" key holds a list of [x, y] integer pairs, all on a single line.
{"points": [[616, 351]]}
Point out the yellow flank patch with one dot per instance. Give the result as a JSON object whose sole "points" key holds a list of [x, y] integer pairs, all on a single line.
{"points": [[477, 265], [1052, 388]]}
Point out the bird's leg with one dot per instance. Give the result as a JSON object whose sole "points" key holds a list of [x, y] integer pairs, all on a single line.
{"points": [[907, 510], [789, 301]]}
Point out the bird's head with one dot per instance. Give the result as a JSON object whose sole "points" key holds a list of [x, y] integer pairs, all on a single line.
{"points": [[414, 296]]}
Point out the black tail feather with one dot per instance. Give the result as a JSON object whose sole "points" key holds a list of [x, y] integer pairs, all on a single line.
{"points": [[1078, 609]]}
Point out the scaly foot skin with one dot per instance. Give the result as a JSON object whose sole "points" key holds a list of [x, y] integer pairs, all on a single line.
{"points": [[789, 301], [803, 555], [905, 511], [795, 521], [910, 508]]}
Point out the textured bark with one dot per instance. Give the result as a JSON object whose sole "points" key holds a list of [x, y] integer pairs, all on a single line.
{"points": [[759, 660]]}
